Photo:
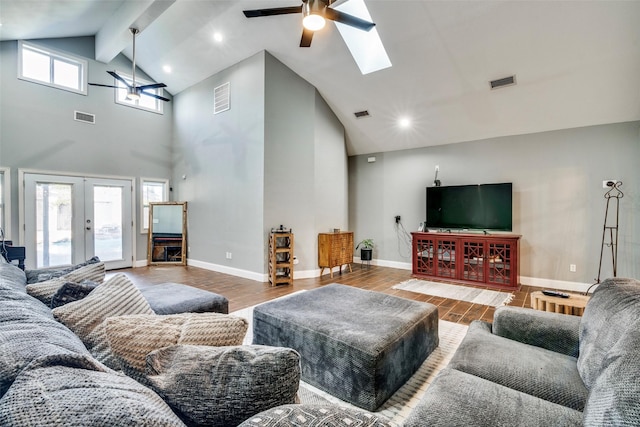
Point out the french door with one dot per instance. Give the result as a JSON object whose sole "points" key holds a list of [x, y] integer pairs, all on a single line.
{"points": [[69, 219]]}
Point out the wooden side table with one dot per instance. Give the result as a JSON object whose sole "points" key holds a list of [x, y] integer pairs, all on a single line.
{"points": [[573, 305]]}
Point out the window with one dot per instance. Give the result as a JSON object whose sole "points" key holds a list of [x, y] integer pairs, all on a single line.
{"points": [[148, 103], [5, 199], [52, 68], [153, 190]]}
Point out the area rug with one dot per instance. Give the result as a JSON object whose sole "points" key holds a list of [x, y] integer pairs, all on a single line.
{"points": [[398, 406], [458, 292]]}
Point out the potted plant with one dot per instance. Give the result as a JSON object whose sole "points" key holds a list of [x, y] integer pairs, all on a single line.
{"points": [[366, 253]]}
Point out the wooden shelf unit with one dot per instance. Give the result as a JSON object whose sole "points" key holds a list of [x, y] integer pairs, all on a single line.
{"points": [[280, 259], [335, 250], [489, 259]]}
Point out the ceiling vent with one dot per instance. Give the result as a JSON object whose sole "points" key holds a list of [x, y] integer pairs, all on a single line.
{"points": [[505, 81], [361, 114], [221, 96], [84, 117]]}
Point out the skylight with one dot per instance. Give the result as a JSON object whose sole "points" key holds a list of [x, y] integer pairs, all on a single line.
{"points": [[365, 46]]}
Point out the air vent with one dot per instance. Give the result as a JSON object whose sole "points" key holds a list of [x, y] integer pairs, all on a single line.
{"points": [[84, 117], [221, 96], [361, 114], [505, 81]]}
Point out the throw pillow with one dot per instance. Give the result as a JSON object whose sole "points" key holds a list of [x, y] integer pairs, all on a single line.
{"points": [[48, 273], [133, 337], [71, 291], [316, 416], [77, 391], [116, 297], [223, 386], [47, 289]]}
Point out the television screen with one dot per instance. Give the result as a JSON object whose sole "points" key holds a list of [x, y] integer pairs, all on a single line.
{"points": [[480, 207]]}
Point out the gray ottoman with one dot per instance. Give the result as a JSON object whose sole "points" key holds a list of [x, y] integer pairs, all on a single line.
{"points": [[357, 345], [174, 298]]}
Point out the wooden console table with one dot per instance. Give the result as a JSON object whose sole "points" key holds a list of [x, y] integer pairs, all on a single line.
{"points": [[479, 259], [573, 305], [335, 249]]}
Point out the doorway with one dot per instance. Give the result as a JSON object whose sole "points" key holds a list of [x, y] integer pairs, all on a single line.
{"points": [[69, 219]]}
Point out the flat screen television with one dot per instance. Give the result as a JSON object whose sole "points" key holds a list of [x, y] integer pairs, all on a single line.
{"points": [[476, 207]]}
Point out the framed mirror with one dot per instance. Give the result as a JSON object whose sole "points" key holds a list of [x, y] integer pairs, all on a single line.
{"points": [[167, 233]]}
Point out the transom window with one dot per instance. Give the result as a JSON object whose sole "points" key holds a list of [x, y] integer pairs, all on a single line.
{"points": [[52, 68], [145, 102], [153, 190]]}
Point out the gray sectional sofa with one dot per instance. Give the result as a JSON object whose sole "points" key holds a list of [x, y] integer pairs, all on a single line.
{"points": [[533, 368], [50, 376]]}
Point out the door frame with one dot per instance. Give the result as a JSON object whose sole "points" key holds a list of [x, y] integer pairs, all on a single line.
{"points": [[21, 200]]}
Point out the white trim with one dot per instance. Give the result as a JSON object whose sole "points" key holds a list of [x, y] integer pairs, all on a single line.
{"points": [[6, 191], [136, 104], [251, 275]]}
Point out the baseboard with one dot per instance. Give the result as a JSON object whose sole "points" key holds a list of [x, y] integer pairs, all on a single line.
{"points": [[245, 274], [385, 263], [140, 263], [556, 284]]}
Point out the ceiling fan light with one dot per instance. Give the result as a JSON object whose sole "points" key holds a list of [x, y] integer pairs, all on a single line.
{"points": [[133, 96], [313, 22]]}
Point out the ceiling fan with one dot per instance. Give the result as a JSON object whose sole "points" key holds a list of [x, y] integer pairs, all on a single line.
{"points": [[315, 13], [133, 91]]}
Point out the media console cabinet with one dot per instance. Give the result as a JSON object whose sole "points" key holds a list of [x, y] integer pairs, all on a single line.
{"points": [[479, 259]]}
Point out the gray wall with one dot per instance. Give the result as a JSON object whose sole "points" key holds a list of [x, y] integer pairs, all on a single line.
{"points": [[222, 157], [37, 130], [558, 196], [254, 167]]}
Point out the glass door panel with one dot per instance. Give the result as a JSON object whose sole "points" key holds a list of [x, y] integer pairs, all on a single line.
{"points": [[107, 215], [54, 216]]}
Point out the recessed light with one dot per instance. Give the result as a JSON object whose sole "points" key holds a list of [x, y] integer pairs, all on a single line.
{"points": [[404, 122], [166, 68], [217, 37]]}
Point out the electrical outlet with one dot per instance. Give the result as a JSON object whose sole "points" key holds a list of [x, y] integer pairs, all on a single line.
{"points": [[229, 255], [572, 268]]}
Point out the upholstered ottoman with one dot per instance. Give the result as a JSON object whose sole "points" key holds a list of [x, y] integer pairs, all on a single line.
{"points": [[175, 298], [357, 345]]}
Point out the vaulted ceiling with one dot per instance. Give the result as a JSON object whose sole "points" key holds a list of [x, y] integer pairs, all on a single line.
{"points": [[577, 63]]}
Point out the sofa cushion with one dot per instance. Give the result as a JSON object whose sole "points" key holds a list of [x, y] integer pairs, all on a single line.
{"points": [[223, 386], [456, 398], [48, 273], [72, 291], [315, 416], [78, 391], [613, 308], [615, 393], [116, 297], [536, 371], [26, 333], [47, 289], [133, 337], [12, 277]]}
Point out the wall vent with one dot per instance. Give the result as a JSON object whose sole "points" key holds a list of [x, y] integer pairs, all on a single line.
{"points": [[221, 96], [361, 114], [84, 117], [505, 81]]}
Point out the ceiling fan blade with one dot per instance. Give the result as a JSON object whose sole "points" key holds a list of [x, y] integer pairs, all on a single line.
{"points": [[307, 35], [345, 18], [101, 85], [273, 11], [151, 86], [153, 95], [117, 77]]}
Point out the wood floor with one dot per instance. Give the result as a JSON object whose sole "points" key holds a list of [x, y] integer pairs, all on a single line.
{"points": [[243, 293]]}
